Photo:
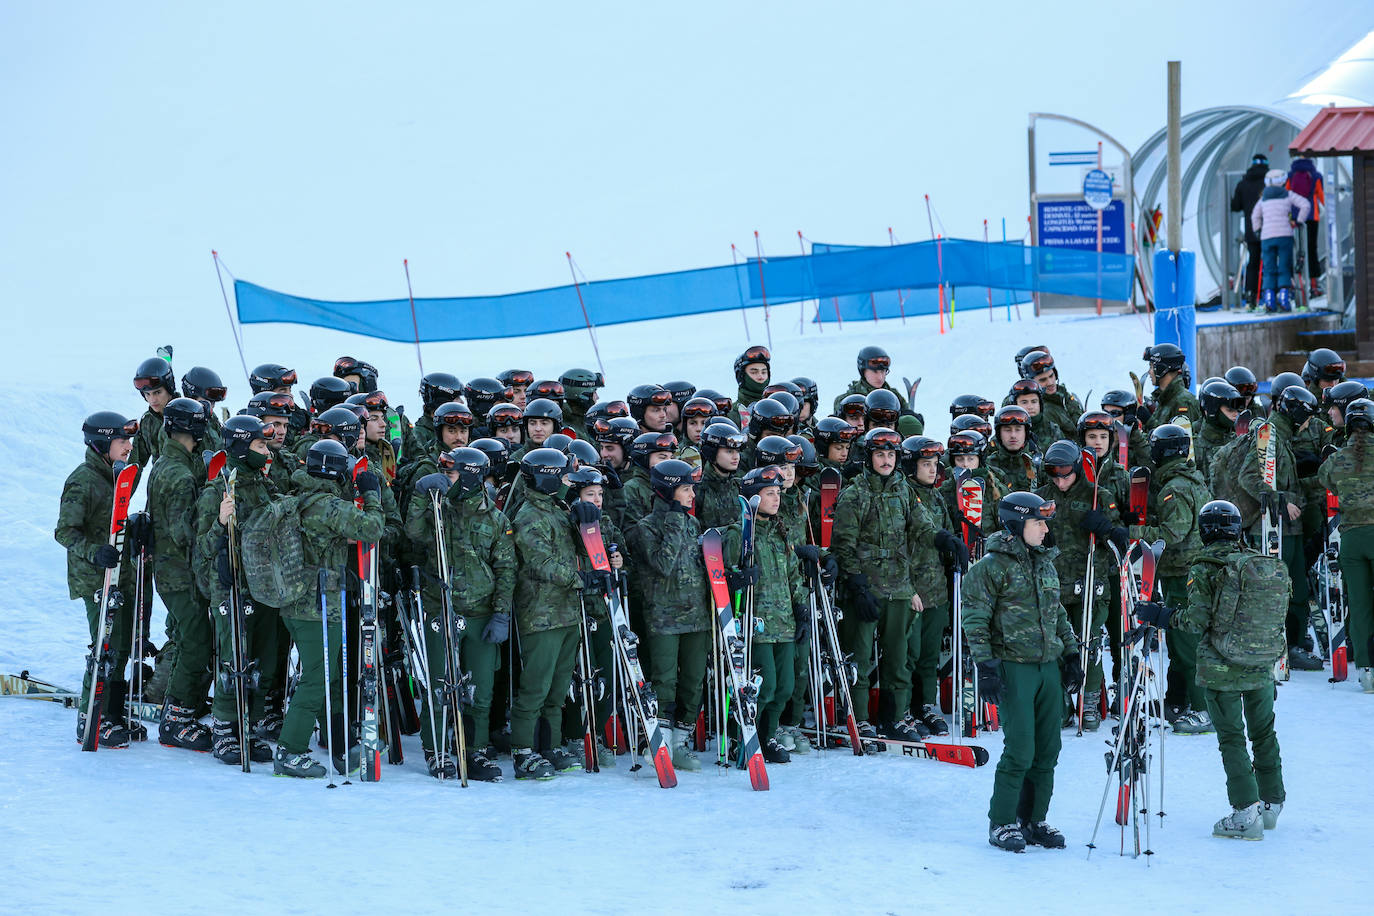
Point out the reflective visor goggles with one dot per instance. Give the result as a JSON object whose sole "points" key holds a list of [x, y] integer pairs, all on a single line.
{"points": [[770, 476], [882, 416], [276, 401], [552, 390], [880, 363], [723, 404], [616, 409], [1046, 510], [146, 383], [520, 378], [504, 419], [756, 355], [1041, 364], [883, 440], [690, 411], [781, 423], [792, 455], [847, 435], [1060, 470], [659, 399], [457, 418], [933, 450], [376, 401], [1116, 413], [1100, 419], [852, 411], [1247, 389], [1331, 371], [127, 431], [288, 378]]}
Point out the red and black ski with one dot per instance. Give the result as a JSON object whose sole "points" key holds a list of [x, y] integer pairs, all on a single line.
{"points": [[368, 692], [101, 660], [831, 481]]}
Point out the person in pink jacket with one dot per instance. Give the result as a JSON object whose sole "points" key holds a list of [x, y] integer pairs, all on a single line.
{"points": [[1276, 213]]}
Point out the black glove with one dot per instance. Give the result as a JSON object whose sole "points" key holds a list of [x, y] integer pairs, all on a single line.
{"points": [[433, 483], [299, 421], [1155, 613], [1096, 522], [584, 513], [810, 556], [612, 478], [106, 556], [740, 579], [139, 532], [226, 572], [801, 615], [368, 482], [595, 581], [1308, 464], [1072, 667], [990, 681], [953, 549], [865, 605], [829, 571], [1130, 517], [1142, 413], [497, 629], [1121, 538]]}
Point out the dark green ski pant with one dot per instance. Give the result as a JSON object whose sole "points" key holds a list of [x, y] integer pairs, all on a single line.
{"points": [[1357, 573], [679, 673], [1233, 712], [260, 633], [548, 657], [307, 703], [1183, 688], [1298, 607], [119, 650], [774, 661], [188, 622], [1031, 712], [801, 682], [894, 666], [478, 658], [923, 654]]}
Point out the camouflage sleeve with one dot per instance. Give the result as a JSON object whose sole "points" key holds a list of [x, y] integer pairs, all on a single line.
{"points": [[503, 566], [341, 517], [921, 529], [844, 535], [539, 552], [1176, 519], [1251, 475], [1326, 474], [1197, 614], [419, 527], [71, 520], [173, 501], [208, 529], [979, 596]]}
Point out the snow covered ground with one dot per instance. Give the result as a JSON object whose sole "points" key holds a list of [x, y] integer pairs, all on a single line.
{"points": [[881, 834]]}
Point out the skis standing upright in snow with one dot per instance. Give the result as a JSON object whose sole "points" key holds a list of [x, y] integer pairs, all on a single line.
{"points": [[368, 678], [101, 658]]}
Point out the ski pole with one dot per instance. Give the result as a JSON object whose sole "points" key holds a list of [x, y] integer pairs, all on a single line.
{"points": [[343, 665], [323, 588]]}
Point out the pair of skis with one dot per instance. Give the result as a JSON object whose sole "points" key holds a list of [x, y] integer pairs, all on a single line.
{"points": [[1333, 598], [370, 733], [101, 660], [969, 709], [1272, 508]]}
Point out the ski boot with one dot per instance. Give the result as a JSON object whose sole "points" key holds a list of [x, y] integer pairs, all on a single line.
{"points": [[1197, 722], [1007, 836], [1173, 712], [1367, 680], [301, 766], [112, 733], [1269, 813], [269, 726], [1042, 834], [226, 745], [868, 736], [1302, 659], [530, 764], [797, 742], [441, 765], [680, 739], [1241, 824], [1267, 300], [774, 752], [564, 760], [136, 729], [933, 720], [482, 768], [907, 729], [785, 738], [1092, 715], [180, 728], [1285, 298]]}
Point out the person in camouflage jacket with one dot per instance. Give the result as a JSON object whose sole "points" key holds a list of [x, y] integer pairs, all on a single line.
{"points": [[717, 503], [1349, 474], [1018, 633], [1010, 456], [331, 523]]}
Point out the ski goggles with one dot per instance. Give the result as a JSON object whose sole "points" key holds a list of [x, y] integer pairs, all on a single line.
{"points": [[1098, 419], [661, 398], [723, 404], [881, 416], [965, 444], [883, 440], [1332, 371], [554, 391], [127, 431], [1247, 389], [375, 401], [780, 424], [845, 436], [698, 411], [276, 405], [519, 378], [505, 419], [1060, 471], [768, 476], [455, 418], [615, 409], [663, 442], [149, 382], [788, 456], [1012, 416], [1046, 510], [928, 450], [1024, 386], [756, 355], [853, 411], [1040, 364], [878, 363]]}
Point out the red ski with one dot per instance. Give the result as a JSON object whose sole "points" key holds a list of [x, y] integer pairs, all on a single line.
{"points": [[101, 659], [743, 689], [830, 492]]}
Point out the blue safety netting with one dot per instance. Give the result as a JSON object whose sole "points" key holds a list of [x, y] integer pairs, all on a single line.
{"points": [[906, 277]]}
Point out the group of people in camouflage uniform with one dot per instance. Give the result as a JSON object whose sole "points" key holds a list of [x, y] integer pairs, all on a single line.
{"points": [[509, 467]]}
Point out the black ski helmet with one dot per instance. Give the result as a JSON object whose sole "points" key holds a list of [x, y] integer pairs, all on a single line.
{"points": [[582, 478], [1218, 394], [241, 431], [880, 439], [326, 392], [543, 469], [548, 389], [666, 476], [974, 404], [270, 377], [754, 354], [620, 430], [1035, 363], [1243, 380], [1010, 415], [807, 464], [155, 372], [759, 479], [777, 450], [681, 391], [358, 404], [769, 417], [439, 388], [472, 467], [1359, 414], [970, 421], [1169, 441], [1063, 458], [1323, 365], [831, 430], [483, 395], [642, 397], [345, 366], [271, 404], [505, 416], [810, 392], [916, 448], [203, 384], [852, 407], [788, 400], [717, 436], [967, 442], [1297, 404], [646, 444], [1027, 386], [560, 441], [1015, 508], [698, 408], [1282, 381], [1021, 354], [341, 422], [872, 357], [583, 452], [1164, 358], [453, 414], [882, 408], [1342, 393], [1097, 419], [515, 378], [497, 452], [1219, 520], [101, 428], [1120, 399], [580, 387], [328, 460], [723, 403], [185, 415], [542, 409]]}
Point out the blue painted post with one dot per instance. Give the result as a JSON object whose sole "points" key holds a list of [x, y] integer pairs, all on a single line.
{"points": [[1175, 297]]}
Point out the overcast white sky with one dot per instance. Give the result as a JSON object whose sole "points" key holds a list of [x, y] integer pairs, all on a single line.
{"points": [[317, 145]]}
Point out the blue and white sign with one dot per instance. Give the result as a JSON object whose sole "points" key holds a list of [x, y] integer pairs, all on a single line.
{"points": [[1097, 189], [1073, 224]]}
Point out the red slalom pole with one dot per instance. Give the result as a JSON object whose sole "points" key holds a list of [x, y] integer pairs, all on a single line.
{"points": [[591, 332], [413, 322]]}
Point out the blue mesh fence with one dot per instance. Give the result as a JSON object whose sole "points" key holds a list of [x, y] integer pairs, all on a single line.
{"points": [[889, 279]]}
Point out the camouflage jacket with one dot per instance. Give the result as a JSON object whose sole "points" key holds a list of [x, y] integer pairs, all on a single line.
{"points": [[780, 581], [859, 386], [932, 583], [1350, 475], [331, 523], [1014, 470], [672, 576], [83, 527], [480, 546], [1211, 435], [1011, 604], [1285, 467], [1071, 541], [148, 442], [638, 500], [1173, 402], [992, 493], [252, 491], [547, 551], [1177, 494], [1063, 410], [876, 532], [793, 513], [175, 481], [1204, 578], [424, 436]]}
